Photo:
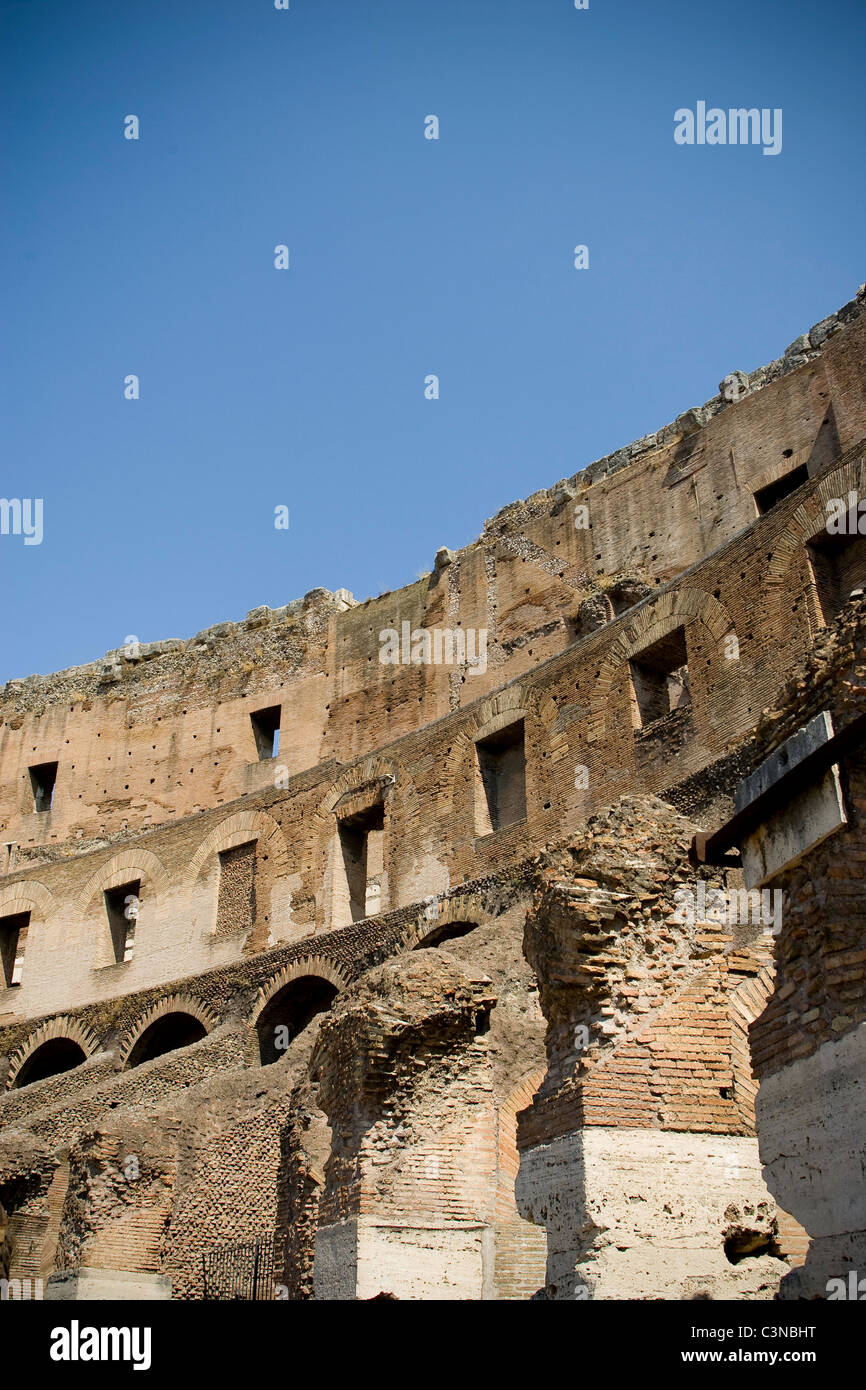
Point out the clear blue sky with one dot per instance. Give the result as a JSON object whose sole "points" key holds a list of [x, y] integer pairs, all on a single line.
{"points": [[408, 256]]}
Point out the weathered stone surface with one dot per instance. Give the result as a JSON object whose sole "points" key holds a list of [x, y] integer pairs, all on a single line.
{"points": [[376, 880]]}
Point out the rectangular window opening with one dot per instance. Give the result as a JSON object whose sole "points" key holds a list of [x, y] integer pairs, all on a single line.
{"points": [[502, 776], [362, 848], [121, 906], [266, 731], [767, 497], [838, 566], [660, 679], [13, 936], [42, 780]]}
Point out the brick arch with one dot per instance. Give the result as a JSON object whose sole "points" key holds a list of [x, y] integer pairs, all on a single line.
{"points": [[808, 520], [370, 769], [747, 1001], [467, 908], [677, 608], [172, 1004], [60, 1027], [29, 895], [298, 970], [518, 1099], [239, 829], [121, 868], [487, 717]]}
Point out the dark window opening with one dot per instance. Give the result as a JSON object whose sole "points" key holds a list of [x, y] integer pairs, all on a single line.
{"points": [[767, 497], [42, 780], [166, 1034], [362, 848], [289, 1012], [449, 931], [53, 1057], [266, 730], [121, 906], [13, 934], [502, 770], [838, 568], [660, 679]]}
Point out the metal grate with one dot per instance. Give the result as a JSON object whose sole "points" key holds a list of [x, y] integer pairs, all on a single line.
{"points": [[243, 1271]]}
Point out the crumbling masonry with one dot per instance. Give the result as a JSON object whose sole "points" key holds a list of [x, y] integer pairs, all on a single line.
{"points": [[329, 977]]}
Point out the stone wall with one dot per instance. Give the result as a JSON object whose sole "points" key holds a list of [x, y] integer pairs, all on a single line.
{"points": [[517, 1070], [809, 1043], [160, 730]]}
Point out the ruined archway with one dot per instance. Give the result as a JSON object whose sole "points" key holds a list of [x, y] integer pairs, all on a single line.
{"points": [[442, 932], [166, 1034], [288, 1011], [52, 1057]]}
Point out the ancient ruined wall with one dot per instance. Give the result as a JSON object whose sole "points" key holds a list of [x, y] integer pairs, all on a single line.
{"points": [[632, 655], [202, 1148], [163, 729], [809, 1043], [411, 1071], [159, 730], [744, 616], [637, 1153], [231, 1120]]}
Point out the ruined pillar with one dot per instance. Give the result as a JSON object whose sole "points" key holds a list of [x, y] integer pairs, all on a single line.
{"points": [[405, 1079], [638, 1153], [809, 1044]]}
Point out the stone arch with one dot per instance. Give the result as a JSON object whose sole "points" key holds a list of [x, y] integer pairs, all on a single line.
{"points": [[465, 910], [123, 867], [676, 608], [293, 998], [487, 717], [521, 1279], [239, 829], [28, 895], [807, 521], [308, 965], [57, 1029], [358, 775], [747, 1001], [184, 1004]]}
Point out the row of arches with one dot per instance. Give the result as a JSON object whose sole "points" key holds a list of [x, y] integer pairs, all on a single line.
{"points": [[284, 1008]]}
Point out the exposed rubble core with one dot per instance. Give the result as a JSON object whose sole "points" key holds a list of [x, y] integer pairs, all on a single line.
{"points": [[647, 1067], [330, 977]]}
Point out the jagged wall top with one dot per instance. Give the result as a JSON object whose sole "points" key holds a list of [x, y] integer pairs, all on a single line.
{"points": [[307, 613]]}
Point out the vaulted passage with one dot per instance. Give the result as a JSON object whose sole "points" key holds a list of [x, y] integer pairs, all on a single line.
{"points": [[166, 1035], [449, 931], [53, 1057], [289, 1012]]}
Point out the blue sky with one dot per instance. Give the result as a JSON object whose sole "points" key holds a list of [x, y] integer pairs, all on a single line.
{"points": [[305, 388]]}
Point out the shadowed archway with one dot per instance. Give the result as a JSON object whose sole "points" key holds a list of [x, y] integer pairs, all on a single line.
{"points": [[166, 1034], [288, 1013], [53, 1057]]}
